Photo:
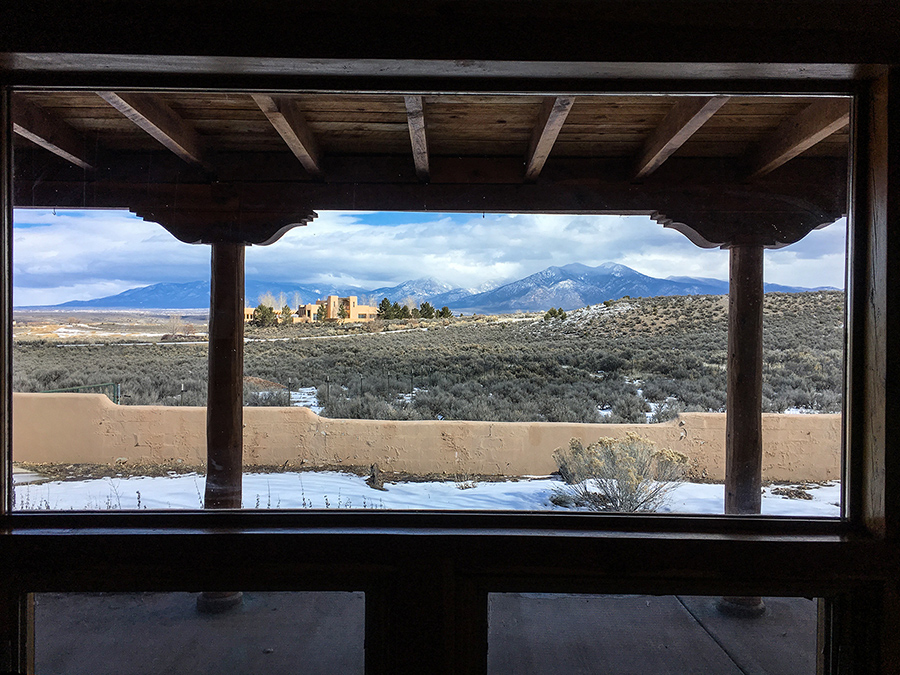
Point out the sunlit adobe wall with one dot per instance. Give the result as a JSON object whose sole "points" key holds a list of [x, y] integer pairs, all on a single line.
{"points": [[89, 428]]}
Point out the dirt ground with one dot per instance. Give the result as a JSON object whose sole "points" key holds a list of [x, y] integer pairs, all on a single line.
{"points": [[105, 325]]}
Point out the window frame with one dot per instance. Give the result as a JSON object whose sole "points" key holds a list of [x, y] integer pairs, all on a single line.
{"points": [[426, 576]]}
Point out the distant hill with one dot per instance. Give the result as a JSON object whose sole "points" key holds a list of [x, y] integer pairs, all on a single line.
{"points": [[576, 285], [195, 295], [769, 288], [569, 286]]}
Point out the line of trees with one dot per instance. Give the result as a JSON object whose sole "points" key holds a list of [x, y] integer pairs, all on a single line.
{"points": [[393, 310]]}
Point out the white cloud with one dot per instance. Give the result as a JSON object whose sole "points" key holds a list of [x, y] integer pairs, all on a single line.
{"points": [[468, 250], [80, 255], [72, 255], [816, 260]]}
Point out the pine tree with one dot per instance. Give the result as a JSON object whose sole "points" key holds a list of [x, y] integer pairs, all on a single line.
{"points": [[385, 309], [264, 316]]}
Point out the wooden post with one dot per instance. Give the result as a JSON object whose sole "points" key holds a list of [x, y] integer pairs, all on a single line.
{"points": [[743, 417], [225, 399], [743, 421]]}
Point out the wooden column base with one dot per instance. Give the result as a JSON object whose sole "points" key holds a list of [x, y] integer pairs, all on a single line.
{"points": [[743, 607], [216, 602]]}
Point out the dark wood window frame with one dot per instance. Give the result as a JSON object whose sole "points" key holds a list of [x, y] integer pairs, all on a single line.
{"points": [[426, 576]]}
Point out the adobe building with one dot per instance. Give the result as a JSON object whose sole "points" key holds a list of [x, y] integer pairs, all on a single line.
{"points": [[353, 310], [310, 312]]}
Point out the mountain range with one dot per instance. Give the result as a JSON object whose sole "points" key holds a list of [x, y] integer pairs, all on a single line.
{"points": [[569, 286]]}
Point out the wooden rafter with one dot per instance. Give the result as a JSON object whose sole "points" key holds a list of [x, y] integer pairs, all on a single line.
{"points": [[154, 116], [552, 116], [799, 133], [44, 129], [415, 115], [685, 118], [290, 124]]}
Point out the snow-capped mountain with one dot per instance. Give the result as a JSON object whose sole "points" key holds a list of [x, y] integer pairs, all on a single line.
{"points": [[576, 285], [195, 295], [570, 286], [420, 290]]}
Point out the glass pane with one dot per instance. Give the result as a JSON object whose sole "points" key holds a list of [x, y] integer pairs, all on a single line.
{"points": [[131, 633], [652, 635], [410, 360]]}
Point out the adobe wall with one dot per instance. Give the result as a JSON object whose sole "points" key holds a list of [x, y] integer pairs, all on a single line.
{"points": [[89, 428]]}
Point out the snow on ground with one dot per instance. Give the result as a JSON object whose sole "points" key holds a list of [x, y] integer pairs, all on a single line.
{"points": [[306, 397], [332, 490]]}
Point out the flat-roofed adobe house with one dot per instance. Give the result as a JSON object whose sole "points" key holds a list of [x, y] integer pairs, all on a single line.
{"points": [[337, 309], [742, 124]]}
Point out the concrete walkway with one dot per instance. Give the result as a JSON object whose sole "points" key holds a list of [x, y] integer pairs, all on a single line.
{"points": [[311, 633]]}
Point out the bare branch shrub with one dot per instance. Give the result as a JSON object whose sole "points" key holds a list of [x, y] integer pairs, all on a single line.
{"points": [[618, 474]]}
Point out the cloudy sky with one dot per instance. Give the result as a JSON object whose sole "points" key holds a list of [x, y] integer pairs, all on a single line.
{"points": [[79, 255]]}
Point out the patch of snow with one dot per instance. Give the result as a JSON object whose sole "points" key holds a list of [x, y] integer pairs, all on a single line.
{"points": [[332, 490], [408, 397], [306, 397]]}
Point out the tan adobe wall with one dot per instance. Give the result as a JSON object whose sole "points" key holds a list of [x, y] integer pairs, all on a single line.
{"points": [[89, 428]]}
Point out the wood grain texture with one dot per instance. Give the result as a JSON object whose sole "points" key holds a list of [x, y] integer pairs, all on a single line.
{"points": [[743, 423], [157, 118], [795, 135], [551, 118], [225, 395], [415, 113], [685, 118], [52, 134], [474, 125], [290, 124]]}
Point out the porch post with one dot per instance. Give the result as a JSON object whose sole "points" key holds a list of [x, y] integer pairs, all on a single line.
{"points": [[743, 420], [743, 412], [224, 398]]}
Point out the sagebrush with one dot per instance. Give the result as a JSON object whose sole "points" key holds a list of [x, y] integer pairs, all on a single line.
{"points": [[618, 474], [668, 352]]}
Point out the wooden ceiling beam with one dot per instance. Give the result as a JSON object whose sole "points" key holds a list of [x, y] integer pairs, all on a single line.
{"points": [[290, 124], [154, 116], [553, 115], [706, 199], [415, 116], [49, 132], [685, 118], [797, 134]]}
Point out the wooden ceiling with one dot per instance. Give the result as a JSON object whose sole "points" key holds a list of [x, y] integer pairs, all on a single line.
{"points": [[223, 166], [760, 132]]}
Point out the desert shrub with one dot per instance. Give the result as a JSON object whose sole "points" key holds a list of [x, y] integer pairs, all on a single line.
{"points": [[519, 371], [618, 474], [667, 410], [276, 398], [629, 409]]}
